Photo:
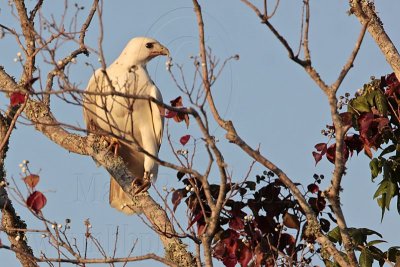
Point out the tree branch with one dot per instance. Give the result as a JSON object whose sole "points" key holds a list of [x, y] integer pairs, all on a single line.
{"points": [[365, 13], [96, 147]]}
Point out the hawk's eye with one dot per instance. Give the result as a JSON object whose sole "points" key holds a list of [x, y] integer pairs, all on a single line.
{"points": [[149, 45]]}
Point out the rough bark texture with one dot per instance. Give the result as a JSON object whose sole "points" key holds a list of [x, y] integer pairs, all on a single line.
{"points": [[365, 13], [10, 220]]}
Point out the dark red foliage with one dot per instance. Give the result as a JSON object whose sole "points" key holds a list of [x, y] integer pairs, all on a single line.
{"points": [[196, 218], [371, 128], [321, 148], [226, 249], [317, 203], [331, 153], [393, 85], [17, 98], [170, 114], [36, 201], [313, 188], [351, 143], [354, 143], [287, 242], [317, 157], [201, 226], [184, 139], [266, 224], [347, 119], [177, 196], [245, 255], [236, 223], [180, 116]]}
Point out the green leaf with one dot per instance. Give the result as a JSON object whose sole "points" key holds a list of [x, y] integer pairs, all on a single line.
{"points": [[381, 204], [334, 235], [370, 96], [398, 204], [381, 103], [367, 231], [366, 258], [374, 242], [388, 149], [381, 189], [359, 104], [358, 236], [374, 166], [376, 252], [390, 193]]}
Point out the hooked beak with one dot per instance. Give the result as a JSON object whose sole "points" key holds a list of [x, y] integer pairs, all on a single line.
{"points": [[159, 50]]}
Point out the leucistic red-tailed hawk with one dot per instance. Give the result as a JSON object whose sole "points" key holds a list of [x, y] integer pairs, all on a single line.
{"points": [[131, 120]]}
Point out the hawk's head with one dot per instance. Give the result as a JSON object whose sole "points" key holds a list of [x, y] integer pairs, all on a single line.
{"points": [[141, 50]]}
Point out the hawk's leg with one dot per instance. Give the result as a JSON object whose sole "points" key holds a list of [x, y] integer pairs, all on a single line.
{"points": [[113, 142], [144, 184]]}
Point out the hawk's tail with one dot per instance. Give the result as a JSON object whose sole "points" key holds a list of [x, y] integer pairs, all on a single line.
{"points": [[121, 200]]}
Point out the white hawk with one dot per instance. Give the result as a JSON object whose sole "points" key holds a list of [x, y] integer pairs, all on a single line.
{"points": [[131, 120]]}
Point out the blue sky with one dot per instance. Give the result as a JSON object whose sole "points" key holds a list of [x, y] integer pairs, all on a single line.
{"points": [[271, 100]]}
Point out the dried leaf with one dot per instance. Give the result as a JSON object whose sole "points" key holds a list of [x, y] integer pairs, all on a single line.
{"points": [[31, 180], [291, 221]]}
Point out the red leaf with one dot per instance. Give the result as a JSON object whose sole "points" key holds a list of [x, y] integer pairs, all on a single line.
{"points": [[367, 151], [219, 250], [287, 242], [184, 139], [321, 147], [177, 102], [177, 197], [179, 116], [201, 226], [317, 157], [170, 114], [347, 119], [195, 219], [36, 201], [31, 180], [230, 261], [236, 223], [231, 245], [17, 98], [317, 204], [245, 256], [313, 188], [354, 143], [371, 129], [331, 153]]}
